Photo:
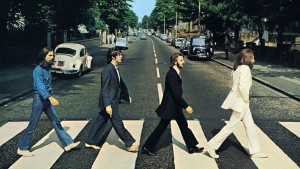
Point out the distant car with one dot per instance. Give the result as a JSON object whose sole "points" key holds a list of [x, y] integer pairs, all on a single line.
{"points": [[71, 58], [179, 42], [200, 47], [169, 39], [164, 37], [184, 47], [143, 36], [122, 43]]}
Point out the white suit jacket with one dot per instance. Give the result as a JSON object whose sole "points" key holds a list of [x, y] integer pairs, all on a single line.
{"points": [[238, 98]]}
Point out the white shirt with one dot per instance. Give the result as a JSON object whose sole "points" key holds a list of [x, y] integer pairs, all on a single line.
{"points": [[177, 70]]}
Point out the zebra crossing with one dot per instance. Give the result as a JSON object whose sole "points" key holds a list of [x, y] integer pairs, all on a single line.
{"points": [[113, 154]]}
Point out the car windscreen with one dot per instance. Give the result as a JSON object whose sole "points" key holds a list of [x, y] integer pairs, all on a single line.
{"points": [[121, 40], [66, 51], [198, 41]]}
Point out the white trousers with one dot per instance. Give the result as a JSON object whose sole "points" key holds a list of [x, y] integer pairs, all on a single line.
{"points": [[235, 118]]}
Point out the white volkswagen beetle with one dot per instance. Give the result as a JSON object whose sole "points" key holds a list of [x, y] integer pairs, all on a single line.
{"points": [[71, 58]]}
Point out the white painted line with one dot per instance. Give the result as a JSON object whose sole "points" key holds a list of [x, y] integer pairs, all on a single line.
{"points": [[277, 158], [156, 61], [184, 160], [157, 72], [10, 129], [113, 154], [155, 55], [160, 92], [49, 148], [294, 127]]}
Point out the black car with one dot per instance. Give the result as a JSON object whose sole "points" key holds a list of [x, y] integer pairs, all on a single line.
{"points": [[200, 47]]}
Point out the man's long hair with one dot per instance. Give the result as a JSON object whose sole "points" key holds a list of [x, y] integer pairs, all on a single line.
{"points": [[244, 58], [173, 58], [41, 58]]}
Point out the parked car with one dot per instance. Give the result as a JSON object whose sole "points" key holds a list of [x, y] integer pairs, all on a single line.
{"points": [[143, 36], [169, 39], [200, 47], [71, 58], [164, 37], [122, 43], [184, 47], [178, 42]]}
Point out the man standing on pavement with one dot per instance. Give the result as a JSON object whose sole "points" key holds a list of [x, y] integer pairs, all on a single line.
{"points": [[113, 90], [171, 108], [43, 101]]}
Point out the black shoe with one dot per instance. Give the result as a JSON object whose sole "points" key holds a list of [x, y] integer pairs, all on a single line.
{"points": [[147, 152], [195, 150]]}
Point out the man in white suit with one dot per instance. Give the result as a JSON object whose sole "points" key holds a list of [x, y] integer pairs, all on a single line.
{"points": [[238, 101]]}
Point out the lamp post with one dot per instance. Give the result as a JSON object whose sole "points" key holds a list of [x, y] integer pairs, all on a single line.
{"points": [[199, 10], [176, 26]]}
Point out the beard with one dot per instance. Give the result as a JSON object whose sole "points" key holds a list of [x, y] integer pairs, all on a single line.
{"points": [[251, 65], [179, 65]]}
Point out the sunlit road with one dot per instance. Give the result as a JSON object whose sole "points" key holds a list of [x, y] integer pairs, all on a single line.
{"points": [[145, 63]]}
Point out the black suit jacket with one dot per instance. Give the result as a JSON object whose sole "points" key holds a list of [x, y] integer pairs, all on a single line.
{"points": [[172, 101], [112, 91]]}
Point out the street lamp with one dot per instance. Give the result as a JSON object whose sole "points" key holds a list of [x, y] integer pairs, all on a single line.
{"points": [[199, 9]]}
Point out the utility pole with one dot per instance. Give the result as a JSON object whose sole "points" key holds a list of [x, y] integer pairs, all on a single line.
{"points": [[199, 10], [176, 26]]}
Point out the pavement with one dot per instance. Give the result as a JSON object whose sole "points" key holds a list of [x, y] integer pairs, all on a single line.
{"points": [[280, 78], [16, 81]]}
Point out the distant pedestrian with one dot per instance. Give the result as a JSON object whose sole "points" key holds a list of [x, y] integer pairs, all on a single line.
{"points": [[112, 38], [171, 108], [44, 101], [238, 101], [226, 46], [113, 90]]}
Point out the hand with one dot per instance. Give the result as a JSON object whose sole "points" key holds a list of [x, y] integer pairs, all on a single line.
{"points": [[53, 101], [189, 110], [108, 110], [130, 100]]}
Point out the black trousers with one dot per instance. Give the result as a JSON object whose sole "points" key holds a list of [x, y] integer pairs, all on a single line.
{"points": [[188, 136], [102, 125]]}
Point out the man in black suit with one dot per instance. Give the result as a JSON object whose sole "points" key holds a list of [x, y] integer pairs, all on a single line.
{"points": [[171, 108], [113, 90]]}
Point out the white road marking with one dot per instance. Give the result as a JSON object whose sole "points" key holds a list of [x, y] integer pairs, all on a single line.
{"points": [[160, 92], [277, 158], [294, 127], [157, 72], [156, 61], [10, 129], [113, 154], [49, 148], [184, 160]]}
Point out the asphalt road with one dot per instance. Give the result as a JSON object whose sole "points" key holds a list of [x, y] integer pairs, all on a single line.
{"points": [[205, 85]]}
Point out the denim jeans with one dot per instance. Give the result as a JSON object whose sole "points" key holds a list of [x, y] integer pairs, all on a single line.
{"points": [[38, 106]]}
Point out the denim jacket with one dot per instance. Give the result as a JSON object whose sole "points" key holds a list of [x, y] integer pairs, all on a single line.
{"points": [[42, 82]]}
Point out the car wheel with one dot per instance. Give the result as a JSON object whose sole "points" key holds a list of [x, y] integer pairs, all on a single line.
{"points": [[80, 71]]}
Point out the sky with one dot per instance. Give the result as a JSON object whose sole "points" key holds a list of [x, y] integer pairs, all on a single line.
{"points": [[142, 7]]}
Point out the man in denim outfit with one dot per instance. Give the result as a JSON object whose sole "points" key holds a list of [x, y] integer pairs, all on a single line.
{"points": [[43, 101]]}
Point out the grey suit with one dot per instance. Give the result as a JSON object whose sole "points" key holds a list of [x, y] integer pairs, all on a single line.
{"points": [[112, 91]]}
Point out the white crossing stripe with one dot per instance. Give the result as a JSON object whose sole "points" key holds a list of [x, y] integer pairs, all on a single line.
{"points": [[114, 154], [49, 148], [10, 129], [277, 158], [294, 127], [184, 160]]}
